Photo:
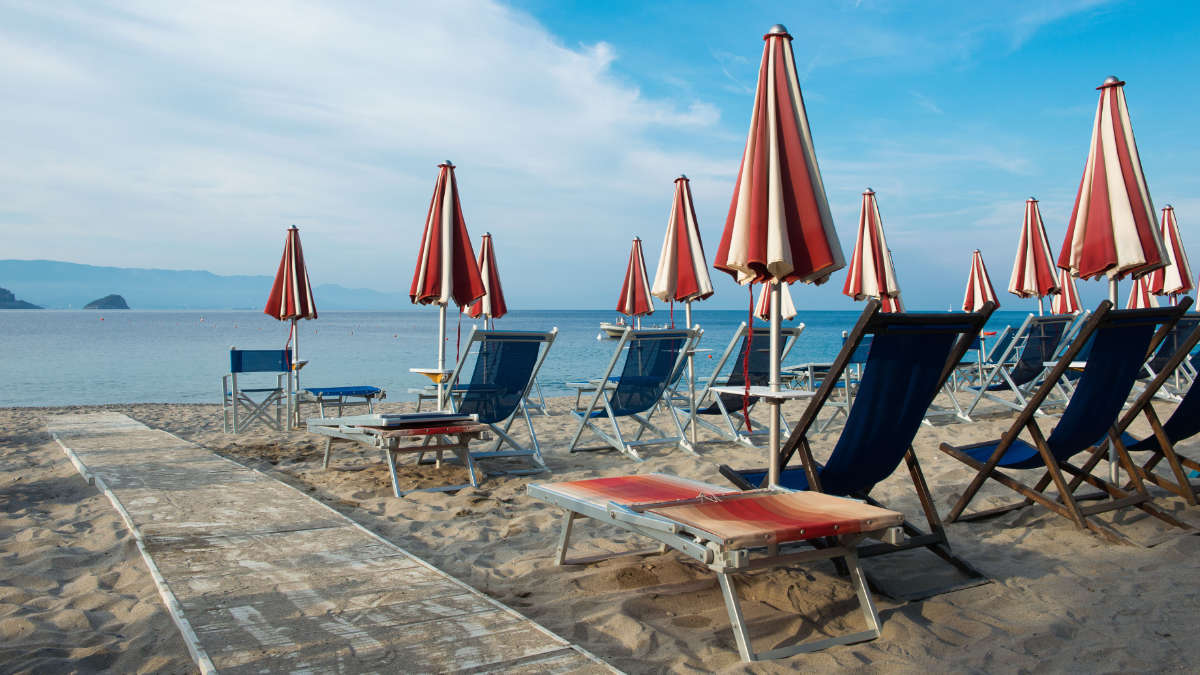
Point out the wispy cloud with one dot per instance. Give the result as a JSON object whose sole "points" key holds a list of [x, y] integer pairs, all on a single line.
{"points": [[925, 102]]}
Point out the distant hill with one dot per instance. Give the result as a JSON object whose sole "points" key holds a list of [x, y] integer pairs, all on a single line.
{"points": [[113, 301], [64, 285], [10, 301]]}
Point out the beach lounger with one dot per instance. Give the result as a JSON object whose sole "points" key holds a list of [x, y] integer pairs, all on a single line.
{"points": [[426, 432], [1019, 368], [242, 407], [1184, 422], [342, 397], [654, 360], [729, 407], [910, 358], [1121, 341], [730, 532], [506, 364]]}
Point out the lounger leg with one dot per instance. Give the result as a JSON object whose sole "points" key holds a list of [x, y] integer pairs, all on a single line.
{"points": [[736, 621], [328, 442], [560, 557], [870, 615], [391, 462]]}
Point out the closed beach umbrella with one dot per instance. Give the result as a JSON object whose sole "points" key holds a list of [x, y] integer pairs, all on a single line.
{"points": [[1140, 296], [779, 228], [491, 305], [1113, 229], [979, 285], [635, 300], [682, 274], [872, 274], [1033, 273], [1067, 300], [762, 308], [446, 269], [291, 296], [1176, 278]]}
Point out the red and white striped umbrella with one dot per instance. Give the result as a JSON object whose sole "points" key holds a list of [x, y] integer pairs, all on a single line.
{"points": [[682, 273], [1113, 228], [291, 296], [779, 224], [446, 268], [979, 285], [762, 308], [635, 297], [779, 228], [1033, 269], [491, 305], [1140, 296], [1067, 300], [1176, 277], [872, 274]]}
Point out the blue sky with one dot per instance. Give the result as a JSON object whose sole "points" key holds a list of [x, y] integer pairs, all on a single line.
{"points": [[189, 135]]}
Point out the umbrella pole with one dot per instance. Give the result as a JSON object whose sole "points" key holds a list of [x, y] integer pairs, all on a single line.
{"points": [[691, 377], [1112, 291], [1039, 305], [294, 409], [773, 476], [441, 352], [1112, 449]]}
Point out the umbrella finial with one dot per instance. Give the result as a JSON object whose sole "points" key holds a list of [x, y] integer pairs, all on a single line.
{"points": [[868, 191], [682, 176], [1168, 207], [1031, 199], [1111, 81], [447, 163], [777, 29]]}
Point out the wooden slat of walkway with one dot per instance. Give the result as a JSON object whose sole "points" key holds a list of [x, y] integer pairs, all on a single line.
{"points": [[262, 578]]}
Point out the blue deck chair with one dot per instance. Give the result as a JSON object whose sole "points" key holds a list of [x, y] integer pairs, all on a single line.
{"points": [[241, 406], [910, 357], [1184, 422], [1182, 375], [505, 365], [1121, 341], [654, 360], [847, 381], [728, 407], [1034, 344]]}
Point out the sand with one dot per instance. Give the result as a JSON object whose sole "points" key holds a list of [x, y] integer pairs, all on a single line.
{"points": [[1060, 600]]}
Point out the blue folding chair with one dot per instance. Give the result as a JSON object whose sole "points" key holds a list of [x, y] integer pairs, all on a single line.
{"points": [[909, 358], [654, 360], [1181, 375], [242, 407], [1034, 344], [1120, 342], [506, 364]]}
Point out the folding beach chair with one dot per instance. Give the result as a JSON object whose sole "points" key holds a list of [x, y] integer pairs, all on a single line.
{"points": [[910, 358], [730, 532], [846, 379], [242, 407], [1181, 375], [729, 407], [654, 360], [1121, 341], [505, 365], [1183, 423], [1033, 345]]}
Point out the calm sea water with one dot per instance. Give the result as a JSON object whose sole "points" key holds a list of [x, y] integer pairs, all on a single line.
{"points": [[52, 357]]}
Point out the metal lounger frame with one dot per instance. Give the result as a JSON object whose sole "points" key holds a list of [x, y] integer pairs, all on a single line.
{"points": [[606, 384], [998, 369], [709, 551]]}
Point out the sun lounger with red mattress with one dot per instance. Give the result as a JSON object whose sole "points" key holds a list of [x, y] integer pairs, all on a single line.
{"points": [[732, 531]]}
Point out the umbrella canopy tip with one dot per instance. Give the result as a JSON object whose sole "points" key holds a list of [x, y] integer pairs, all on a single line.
{"points": [[447, 163], [1031, 199], [778, 29], [1111, 81], [868, 191], [1168, 207], [682, 176]]}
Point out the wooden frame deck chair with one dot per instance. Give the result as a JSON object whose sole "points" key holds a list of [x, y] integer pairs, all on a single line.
{"points": [[241, 406], [1184, 422], [730, 532], [654, 360], [1034, 344], [1182, 374], [911, 357], [506, 362], [1121, 341], [731, 424]]}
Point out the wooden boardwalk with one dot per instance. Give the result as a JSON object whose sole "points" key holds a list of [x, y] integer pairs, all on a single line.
{"points": [[261, 578]]}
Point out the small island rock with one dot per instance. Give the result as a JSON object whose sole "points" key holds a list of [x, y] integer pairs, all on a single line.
{"points": [[113, 301], [10, 301]]}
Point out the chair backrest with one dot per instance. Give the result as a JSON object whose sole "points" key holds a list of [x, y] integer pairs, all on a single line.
{"points": [[652, 363], [1185, 420], [1001, 344], [1041, 338], [1120, 343], [909, 359], [758, 346], [1173, 341], [259, 360], [505, 364]]}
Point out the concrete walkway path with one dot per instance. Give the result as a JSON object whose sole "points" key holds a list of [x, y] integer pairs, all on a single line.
{"points": [[262, 578]]}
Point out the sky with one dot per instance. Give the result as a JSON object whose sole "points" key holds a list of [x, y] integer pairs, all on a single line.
{"points": [[189, 135]]}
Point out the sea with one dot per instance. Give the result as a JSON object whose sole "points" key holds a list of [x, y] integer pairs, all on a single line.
{"points": [[80, 357]]}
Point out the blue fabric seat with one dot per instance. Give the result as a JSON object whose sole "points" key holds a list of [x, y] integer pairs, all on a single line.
{"points": [[1119, 342]]}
